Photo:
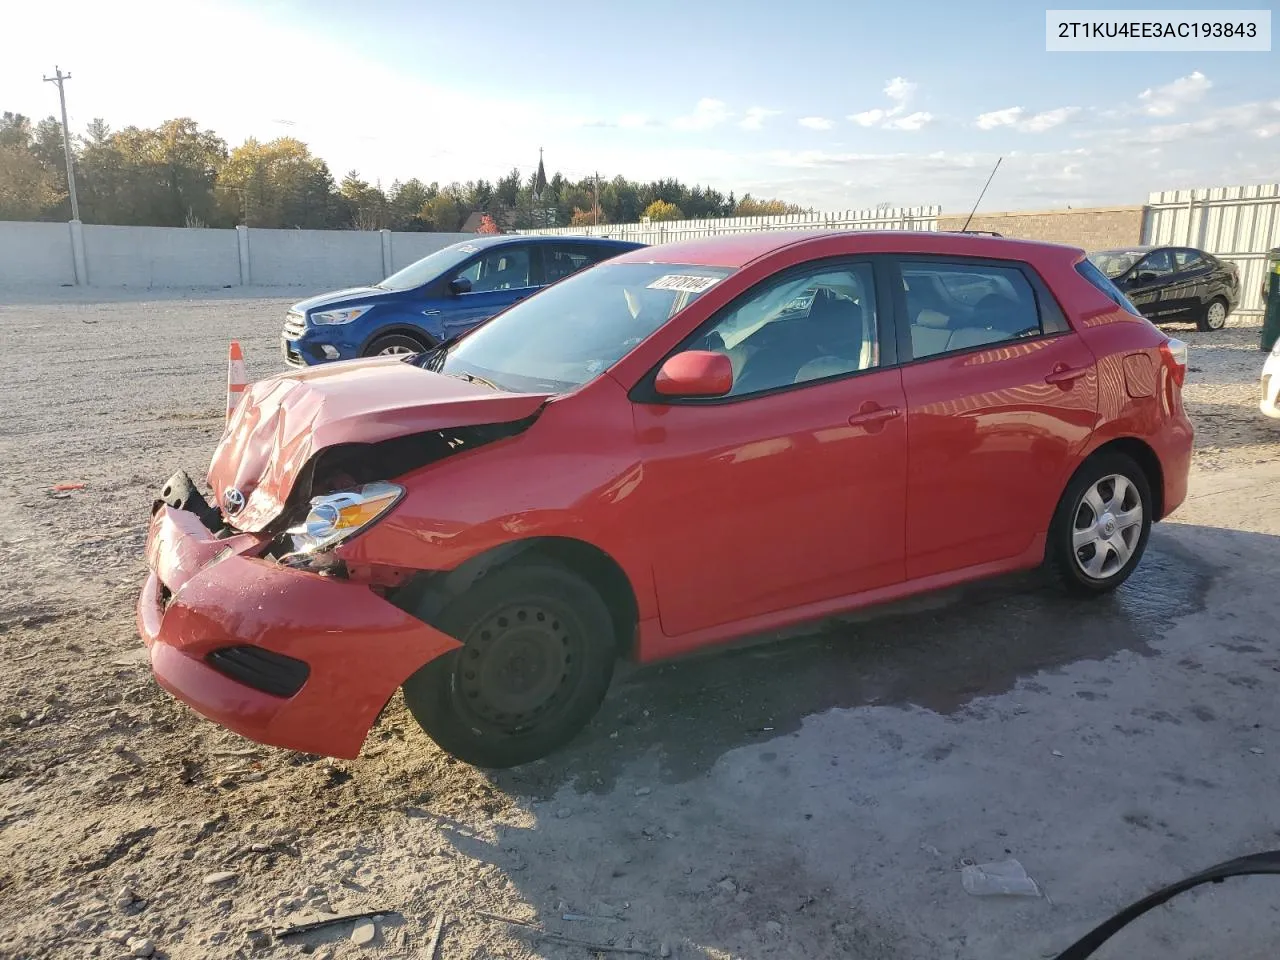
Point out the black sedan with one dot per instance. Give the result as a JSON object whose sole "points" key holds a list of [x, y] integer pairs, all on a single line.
{"points": [[1174, 283]]}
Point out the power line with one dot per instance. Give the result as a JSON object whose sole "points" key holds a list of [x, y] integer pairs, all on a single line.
{"points": [[59, 78]]}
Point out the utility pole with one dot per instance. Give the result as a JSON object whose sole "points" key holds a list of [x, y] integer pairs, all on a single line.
{"points": [[595, 198], [59, 78]]}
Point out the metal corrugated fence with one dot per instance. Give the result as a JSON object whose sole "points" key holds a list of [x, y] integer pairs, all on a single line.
{"points": [[1238, 224]]}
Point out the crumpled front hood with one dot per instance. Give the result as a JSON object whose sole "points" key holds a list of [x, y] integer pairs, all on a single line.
{"points": [[283, 421]]}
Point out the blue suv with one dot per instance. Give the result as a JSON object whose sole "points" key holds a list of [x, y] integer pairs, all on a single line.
{"points": [[436, 298]]}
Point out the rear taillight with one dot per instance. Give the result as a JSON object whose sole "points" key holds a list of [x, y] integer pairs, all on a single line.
{"points": [[1174, 353]]}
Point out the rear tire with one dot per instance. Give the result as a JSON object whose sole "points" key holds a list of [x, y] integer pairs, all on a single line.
{"points": [[1213, 316], [395, 344], [1101, 525], [536, 661]]}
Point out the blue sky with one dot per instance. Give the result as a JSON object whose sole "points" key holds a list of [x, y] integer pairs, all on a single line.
{"points": [[835, 105]]}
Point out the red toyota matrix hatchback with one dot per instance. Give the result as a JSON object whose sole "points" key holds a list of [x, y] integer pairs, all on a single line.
{"points": [[687, 444]]}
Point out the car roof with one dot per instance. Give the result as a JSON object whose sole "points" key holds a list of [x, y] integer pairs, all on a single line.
{"points": [[1136, 248], [740, 249], [481, 241]]}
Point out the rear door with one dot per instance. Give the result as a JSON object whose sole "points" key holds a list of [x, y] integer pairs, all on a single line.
{"points": [[499, 276], [1188, 288], [1001, 398]]}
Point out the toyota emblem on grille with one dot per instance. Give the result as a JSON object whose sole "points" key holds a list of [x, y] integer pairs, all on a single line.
{"points": [[233, 501]]}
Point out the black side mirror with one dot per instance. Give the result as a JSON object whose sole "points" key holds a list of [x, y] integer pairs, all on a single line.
{"points": [[1146, 277], [459, 285]]}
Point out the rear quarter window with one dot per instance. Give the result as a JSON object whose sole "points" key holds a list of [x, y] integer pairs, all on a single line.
{"points": [[1104, 285]]}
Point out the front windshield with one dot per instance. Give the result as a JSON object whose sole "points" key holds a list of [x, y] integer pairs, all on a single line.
{"points": [[578, 328], [429, 267], [1115, 262]]}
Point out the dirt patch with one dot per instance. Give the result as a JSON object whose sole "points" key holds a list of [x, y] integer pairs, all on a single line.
{"points": [[802, 799]]}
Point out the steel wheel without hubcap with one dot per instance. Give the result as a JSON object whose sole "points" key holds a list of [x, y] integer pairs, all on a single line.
{"points": [[1107, 527], [517, 667], [536, 657]]}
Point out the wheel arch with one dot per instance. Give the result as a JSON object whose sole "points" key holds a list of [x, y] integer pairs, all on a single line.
{"points": [[1141, 453], [400, 329], [427, 594]]}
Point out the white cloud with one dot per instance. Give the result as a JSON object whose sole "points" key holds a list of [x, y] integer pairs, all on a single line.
{"points": [[1048, 119], [900, 92], [869, 118], [633, 121], [816, 123], [1172, 97], [1256, 116], [1015, 117], [998, 118], [755, 117], [707, 114], [912, 121]]}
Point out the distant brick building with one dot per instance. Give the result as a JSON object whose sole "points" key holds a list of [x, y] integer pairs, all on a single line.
{"points": [[1093, 228]]}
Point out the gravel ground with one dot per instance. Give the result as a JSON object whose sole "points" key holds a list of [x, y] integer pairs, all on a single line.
{"points": [[803, 799]]}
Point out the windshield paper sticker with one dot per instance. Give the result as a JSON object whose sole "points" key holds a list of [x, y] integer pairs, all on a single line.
{"points": [[684, 284]]}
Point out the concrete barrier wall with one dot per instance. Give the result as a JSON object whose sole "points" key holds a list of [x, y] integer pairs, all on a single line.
{"points": [[337, 258], [160, 257], [48, 254], [36, 254]]}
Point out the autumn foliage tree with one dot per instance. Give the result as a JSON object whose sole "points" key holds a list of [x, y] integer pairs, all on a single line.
{"points": [[662, 210], [179, 173]]}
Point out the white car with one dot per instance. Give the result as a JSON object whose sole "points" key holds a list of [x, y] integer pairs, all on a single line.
{"points": [[1270, 402]]}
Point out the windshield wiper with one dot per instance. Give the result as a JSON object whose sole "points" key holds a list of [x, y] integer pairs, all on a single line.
{"points": [[472, 378], [433, 359]]}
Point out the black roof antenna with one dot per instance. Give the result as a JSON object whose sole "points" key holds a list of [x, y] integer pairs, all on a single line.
{"points": [[965, 228]]}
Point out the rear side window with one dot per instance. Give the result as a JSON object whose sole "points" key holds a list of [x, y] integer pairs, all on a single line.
{"points": [[955, 306], [1103, 283], [1188, 259], [561, 260]]}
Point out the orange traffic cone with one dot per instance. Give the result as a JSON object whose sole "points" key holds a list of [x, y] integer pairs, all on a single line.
{"points": [[237, 379]]}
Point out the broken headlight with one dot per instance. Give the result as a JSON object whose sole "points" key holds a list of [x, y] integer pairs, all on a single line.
{"points": [[335, 517]]}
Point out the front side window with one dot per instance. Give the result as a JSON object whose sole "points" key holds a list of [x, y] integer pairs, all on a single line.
{"points": [[1155, 266], [571, 333], [955, 306], [806, 326], [505, 268]]}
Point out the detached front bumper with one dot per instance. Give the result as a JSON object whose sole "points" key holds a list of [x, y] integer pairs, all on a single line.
{"points": [[266, 627]]}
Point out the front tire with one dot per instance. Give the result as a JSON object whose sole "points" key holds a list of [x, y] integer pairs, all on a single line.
{"points": [[536, 661], [1213, 316], [396, 344], [1100, 528]]}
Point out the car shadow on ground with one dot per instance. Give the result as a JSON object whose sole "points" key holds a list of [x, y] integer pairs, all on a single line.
{"points": [[940, 652]]}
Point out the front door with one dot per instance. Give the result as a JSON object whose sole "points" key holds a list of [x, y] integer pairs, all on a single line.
{"points": [[789, 490], [499, 277], [1147, 282], [1001, 398]]}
